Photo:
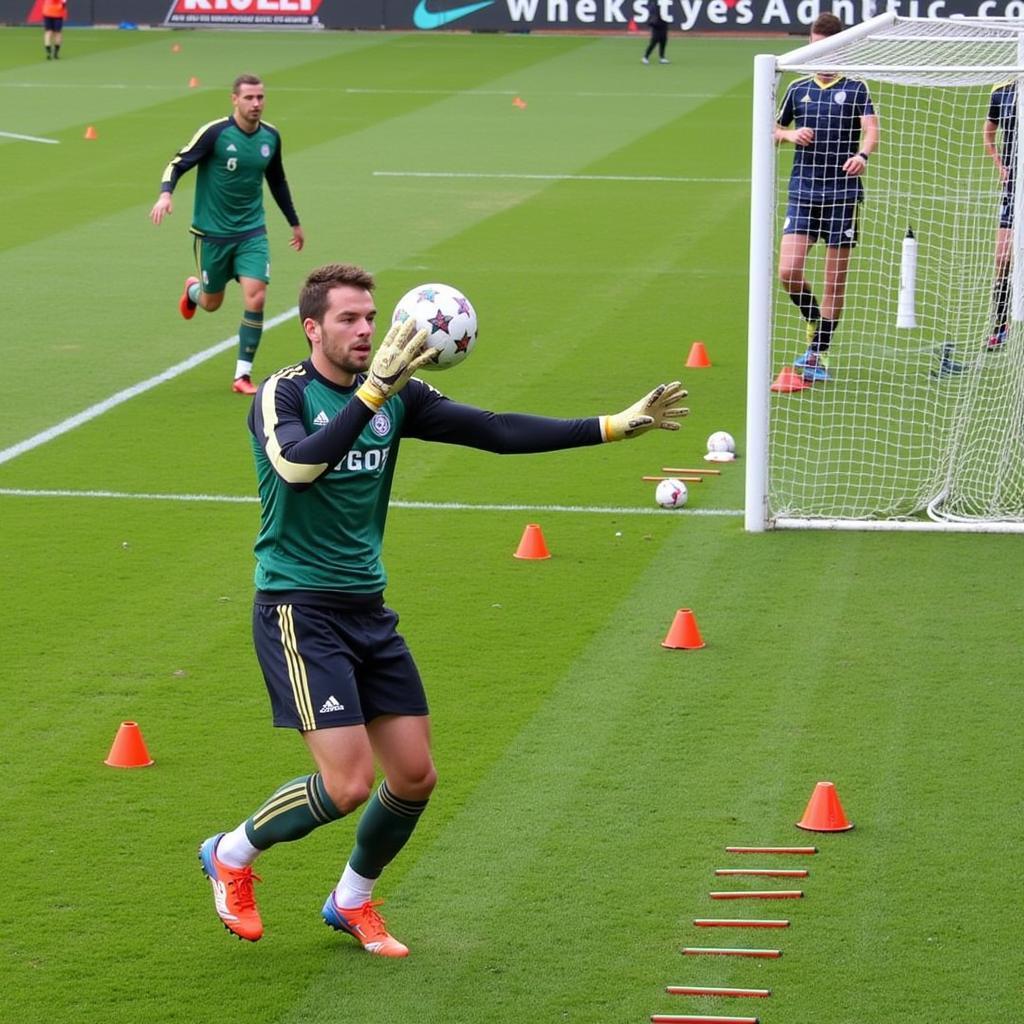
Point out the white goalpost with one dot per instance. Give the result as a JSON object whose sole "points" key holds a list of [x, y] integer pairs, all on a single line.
{"points": [[920, 425]]}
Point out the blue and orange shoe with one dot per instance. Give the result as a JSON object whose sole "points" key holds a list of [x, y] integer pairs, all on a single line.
{"points": [[233, 896], [186, 307], [997, 339], [364, 924], [812, 366]]}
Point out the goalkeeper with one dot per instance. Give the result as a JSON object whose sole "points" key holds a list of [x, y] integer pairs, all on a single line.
{"points": [[836, 132], [326, 435]]}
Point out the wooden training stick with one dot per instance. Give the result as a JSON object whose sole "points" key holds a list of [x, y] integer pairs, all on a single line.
{"points": [[685, 479], [706, 472]]}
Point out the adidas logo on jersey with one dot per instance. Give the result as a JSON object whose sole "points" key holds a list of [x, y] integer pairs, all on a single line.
{"points": [[232, 148], [332, 704], [321, 419]]}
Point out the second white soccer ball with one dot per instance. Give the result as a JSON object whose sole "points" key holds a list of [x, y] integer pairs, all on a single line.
{"points": [[721, 441], [671, 493], [448, 317]]}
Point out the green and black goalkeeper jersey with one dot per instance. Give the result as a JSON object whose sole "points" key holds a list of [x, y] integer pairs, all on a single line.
{"points": [[325, 462], [229, 189]]}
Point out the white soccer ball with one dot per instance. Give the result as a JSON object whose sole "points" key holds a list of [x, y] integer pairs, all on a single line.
{"points": [[721, 441], [671, 493], [447, 315]]}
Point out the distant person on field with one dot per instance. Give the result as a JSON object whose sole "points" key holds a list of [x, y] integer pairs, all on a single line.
{"points": [[326, 434], [54, 13], [234, 154], [659, 34], [1002, 118], [835, 132]]}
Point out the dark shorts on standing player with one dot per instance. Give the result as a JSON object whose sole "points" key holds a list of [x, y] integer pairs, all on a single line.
{"points": [[328, 666], [835, 224]]}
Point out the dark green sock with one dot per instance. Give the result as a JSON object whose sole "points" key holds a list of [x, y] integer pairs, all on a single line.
{"points": [[292, 812], [385, 827], [249, 334]]}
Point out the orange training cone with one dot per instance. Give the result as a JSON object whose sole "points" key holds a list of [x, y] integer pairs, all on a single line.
{"points": [[698, 356], [532, 544], [90, 133], [789, 380], [519, 102], [193, 82], [631, 26], [129, 748], [683, 634], [824, 812], [176, 48]]}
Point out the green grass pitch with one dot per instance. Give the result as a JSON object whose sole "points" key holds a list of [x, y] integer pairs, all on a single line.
{"points": [[590, 780]]}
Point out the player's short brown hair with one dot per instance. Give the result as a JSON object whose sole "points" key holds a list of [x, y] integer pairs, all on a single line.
{"points": [[241, 80], [827, 24], [315, 295]]}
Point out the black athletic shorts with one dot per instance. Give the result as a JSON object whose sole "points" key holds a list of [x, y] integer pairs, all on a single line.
{"points": [[327, 666], [53, 24]]}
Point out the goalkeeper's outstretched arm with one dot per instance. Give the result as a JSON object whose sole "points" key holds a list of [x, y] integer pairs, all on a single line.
{"points": [[433, 417]]}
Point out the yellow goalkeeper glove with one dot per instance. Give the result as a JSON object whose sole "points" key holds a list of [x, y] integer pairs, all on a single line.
{"points": [[660, 409], [402, 352]]}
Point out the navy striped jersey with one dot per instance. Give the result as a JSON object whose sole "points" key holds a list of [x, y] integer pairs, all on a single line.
{"points": [[325, 463], [833, 110], [1002, 112]]}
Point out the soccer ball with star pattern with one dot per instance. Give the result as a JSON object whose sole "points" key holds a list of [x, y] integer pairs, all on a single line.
{"points": [[448, 317]]}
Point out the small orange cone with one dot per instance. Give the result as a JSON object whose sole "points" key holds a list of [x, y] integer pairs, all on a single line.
{"points": [[129, 748], [519, 102], [824, 812], [698, 356], [789, 380], [90, 133], [193, 82], [532, 544], [176, 48], [683, 634], [631, 27]]}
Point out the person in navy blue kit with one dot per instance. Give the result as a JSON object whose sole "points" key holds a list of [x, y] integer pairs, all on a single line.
{"points": [[659, 35], [835, 131], [1002, 118]]}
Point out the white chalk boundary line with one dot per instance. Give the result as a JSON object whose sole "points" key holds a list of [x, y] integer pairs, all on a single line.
{"points": [[6, 454], [29, 138], [355, 91], [431, 506], [562, 177]]}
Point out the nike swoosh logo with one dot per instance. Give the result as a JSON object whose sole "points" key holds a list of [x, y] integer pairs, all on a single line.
{"points": [[424, 19]]}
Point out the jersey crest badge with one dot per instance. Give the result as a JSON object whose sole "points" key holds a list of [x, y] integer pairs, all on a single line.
{"points": [[381, 424], [840, 97], [265, 150]]}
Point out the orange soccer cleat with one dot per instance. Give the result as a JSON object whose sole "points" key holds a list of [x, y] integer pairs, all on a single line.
{"points": [[186, 307], [243, 385], [233, 895], [365, 924]]}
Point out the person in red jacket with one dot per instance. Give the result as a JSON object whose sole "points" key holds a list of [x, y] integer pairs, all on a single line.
{"points": [[54, 13]]}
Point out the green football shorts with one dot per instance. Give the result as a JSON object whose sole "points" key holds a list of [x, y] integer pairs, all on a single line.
{"points": [[219, 263]]}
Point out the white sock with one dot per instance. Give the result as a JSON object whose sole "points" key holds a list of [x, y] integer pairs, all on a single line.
{"points": [[235, 850], [353, 890], [242, 368]]}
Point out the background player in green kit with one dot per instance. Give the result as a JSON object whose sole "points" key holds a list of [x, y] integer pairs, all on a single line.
{"points": [[326, 434], [233, 155]]}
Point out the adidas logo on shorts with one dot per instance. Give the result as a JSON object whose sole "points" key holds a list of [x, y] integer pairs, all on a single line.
{"points": [[332, 704]]}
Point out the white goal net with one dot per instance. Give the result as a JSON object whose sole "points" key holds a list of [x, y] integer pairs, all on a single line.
{"points": [[921, 419]]}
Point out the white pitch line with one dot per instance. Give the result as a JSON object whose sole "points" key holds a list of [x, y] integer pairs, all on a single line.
{"points": [[561, 177], [7, 454], [433, 506], [29, 138]]}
